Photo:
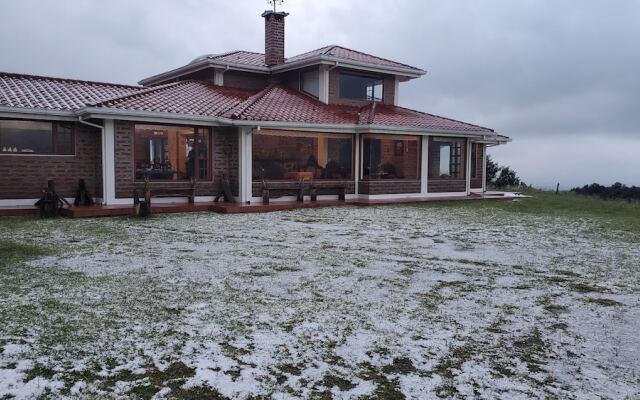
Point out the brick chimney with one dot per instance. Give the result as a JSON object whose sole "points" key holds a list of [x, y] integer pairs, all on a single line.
{"points": [[274, 37]]}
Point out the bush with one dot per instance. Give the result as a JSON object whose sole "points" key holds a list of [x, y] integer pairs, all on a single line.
{"points": [[615, 191], [502, 176]]}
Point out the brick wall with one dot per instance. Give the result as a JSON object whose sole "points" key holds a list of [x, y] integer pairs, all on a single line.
{"points": [[24, 176], [389, 186], [476, 183], [334, 89], [245, 80], [225, 159], [273, 37], [281, 188]]}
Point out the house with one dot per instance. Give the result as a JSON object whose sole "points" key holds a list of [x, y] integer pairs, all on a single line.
{"points": [[329, 117]]}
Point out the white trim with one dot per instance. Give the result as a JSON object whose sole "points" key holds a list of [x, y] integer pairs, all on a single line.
{"points": [[160, 117], [163, 200], [323, 82], [477, 191], [25, 202], [307, 199], [36, 113], [424, 165], [357, 162], [218, 76], [245, 164], [468, 167], [484, 169], [401, 196], [108, 162], [35, 155], [446, 194]]}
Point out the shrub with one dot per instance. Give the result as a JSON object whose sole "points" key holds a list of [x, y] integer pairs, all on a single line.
{"points": [[615, 191]]}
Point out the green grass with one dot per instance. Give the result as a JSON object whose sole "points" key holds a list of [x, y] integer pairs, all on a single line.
{"points": [[611, 214], [12, 252]]}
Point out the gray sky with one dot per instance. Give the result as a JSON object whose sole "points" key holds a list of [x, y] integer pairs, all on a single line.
{"points": [[562, 77]]}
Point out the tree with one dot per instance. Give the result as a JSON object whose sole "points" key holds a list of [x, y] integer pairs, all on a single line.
{"points": [[507, 177], [492, 170], [501, 176]]}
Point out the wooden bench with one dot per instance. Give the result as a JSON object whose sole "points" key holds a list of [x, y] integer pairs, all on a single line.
{"points": [[188, 192], [302, 187]]}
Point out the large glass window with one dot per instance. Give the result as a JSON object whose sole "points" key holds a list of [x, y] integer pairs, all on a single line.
{"points": [[360, 87], [280, 155], [445, 159], [36, 137], [310, 82], [171, 152], [390, 157]]}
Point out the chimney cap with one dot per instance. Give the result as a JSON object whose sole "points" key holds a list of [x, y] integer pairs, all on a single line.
{"points": [[269, 13]]}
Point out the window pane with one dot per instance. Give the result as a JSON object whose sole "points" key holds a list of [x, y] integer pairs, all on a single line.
{"points": [[360, 87], [311, 82], [63, 138], [445, 160], [26, 137], [390, 158], [295, 156], [167, 152]]}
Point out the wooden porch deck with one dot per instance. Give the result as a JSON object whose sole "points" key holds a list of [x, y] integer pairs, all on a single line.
{"points": [[234, 208]]}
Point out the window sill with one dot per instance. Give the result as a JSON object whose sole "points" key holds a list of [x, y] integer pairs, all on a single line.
{"points": [[36, 155]]}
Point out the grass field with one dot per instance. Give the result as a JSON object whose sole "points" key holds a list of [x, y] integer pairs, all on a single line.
{"points": [[536, 298]]}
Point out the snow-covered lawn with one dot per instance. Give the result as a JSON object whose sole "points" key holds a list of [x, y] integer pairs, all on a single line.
{"points": [[379, 302]]}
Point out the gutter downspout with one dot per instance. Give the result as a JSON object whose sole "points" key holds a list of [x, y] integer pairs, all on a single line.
{"points": [[102, 141]]}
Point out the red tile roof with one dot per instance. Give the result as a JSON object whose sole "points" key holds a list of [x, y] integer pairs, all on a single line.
{"points": [[184, 97], [279, 103], [235, 57], [383, 114], [257, 59], [275, 103], [29, 91]]}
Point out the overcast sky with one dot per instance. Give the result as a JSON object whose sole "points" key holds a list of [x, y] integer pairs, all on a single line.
{"points": [[561, 77]]}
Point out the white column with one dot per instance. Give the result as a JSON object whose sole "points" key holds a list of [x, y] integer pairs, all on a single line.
{"points": [[424, 166], [218, 77], [484, 168], [245, 158], [323, 82], [108, 162], [468, 174], [357, 162]]}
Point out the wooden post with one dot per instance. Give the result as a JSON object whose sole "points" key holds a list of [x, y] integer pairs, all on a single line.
{"points": [[558, 188]]}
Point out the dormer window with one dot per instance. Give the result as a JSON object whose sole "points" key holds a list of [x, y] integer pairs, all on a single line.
{"points": [[360, 87], [310, 82]]}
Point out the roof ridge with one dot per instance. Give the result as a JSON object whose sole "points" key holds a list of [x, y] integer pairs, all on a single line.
{"points": [[241, 107], [323, 48], [378, 57], [439, 116], [54, 78], [140, 93]]}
